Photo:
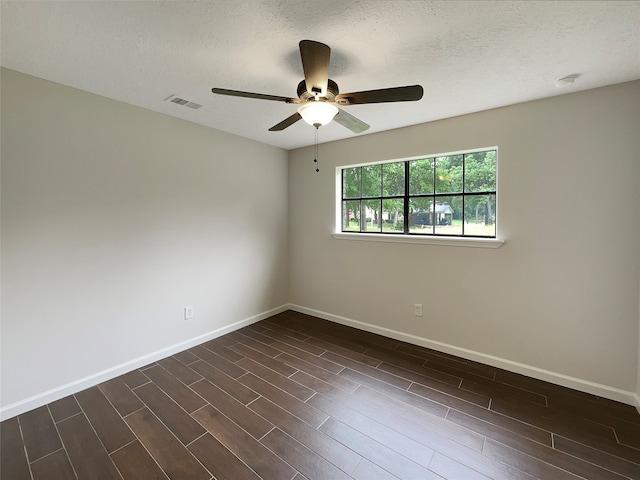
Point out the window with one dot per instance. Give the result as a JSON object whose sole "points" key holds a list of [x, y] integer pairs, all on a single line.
{"points": [[452, 195]]}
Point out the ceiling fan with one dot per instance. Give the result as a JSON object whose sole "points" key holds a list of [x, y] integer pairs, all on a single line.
{"points": [[318, 95]]}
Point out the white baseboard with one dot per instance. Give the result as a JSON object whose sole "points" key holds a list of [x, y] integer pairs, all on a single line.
{"points": [[76, 386], [587, 386]]}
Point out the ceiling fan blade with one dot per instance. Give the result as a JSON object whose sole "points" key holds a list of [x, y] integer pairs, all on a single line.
{"points": [[259, 96], [409, 93], [286, 122], [352, 123], [315, 63]]}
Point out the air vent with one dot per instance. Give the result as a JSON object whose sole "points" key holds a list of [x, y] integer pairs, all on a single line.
{"points": [[182, 101]]}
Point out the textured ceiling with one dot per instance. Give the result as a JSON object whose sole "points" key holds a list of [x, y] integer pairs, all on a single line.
{"points": [[468, 56]]}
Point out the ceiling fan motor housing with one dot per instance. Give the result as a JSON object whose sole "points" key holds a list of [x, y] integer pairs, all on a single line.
{"points": [[305, 96]]}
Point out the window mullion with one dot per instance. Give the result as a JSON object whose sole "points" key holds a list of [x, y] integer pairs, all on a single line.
{"points": [[406, 198]]}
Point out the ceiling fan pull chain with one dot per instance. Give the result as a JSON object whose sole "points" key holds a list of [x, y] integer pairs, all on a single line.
{"points": [[317, 125]]}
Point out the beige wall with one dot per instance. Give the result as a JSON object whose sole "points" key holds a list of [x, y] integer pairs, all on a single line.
{"points": [[559, 300], [114, 219]]}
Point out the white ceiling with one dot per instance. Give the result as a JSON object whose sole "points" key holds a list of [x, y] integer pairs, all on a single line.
{"points": [[468, 55]]}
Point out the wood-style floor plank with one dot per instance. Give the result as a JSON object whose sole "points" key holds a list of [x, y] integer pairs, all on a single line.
{"points": [[344, 459], [220, 461], [55, 466], [85, 450], [178, 391], [135, 463], [105, 420], [295, 397], [175, 418], [121, 396], [262, 460], [232, 408], [166, 449], [13, 460], [39, 432]]}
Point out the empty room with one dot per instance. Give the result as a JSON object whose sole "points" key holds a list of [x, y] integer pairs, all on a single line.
{"points": [[289, 240]]}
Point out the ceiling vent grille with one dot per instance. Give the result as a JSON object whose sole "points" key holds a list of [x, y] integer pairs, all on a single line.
{"points": [[183, 102]]}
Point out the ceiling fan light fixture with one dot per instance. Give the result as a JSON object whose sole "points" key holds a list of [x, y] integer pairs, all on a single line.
{"points": [[317, 113]]}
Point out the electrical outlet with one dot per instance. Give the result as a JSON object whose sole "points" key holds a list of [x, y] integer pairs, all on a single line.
{"points": [[188, 312], [417, 309]]}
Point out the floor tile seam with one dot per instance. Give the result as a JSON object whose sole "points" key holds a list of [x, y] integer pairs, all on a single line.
{"points": [[289, 412], [228, 450], [546, 397], [318, 454], [153, 412], [171, 432], [313, 364], [573, 427], [221, 357], [376, 379], [495, 425], [617, 457], [276, 386], [159, 387], [188, 385], [463, 464], [372, 439], [298, 348], [93, 427], [450, 423], [229, 418], [148, 366], [437, 402], [466, 374], [386, 446], [459, 445], [24, 445], [598, 465], [579, 475], [313, 428], [584, 417], [371, 353], [64, 447], [62, 419], [415, 372], [504, 394], [250, 347], [296, 471], [330, 384], [186, 447], [451, 396], [537, 426]]}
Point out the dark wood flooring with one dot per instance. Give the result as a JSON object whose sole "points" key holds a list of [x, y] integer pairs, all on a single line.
{"points": [[295, 397]]}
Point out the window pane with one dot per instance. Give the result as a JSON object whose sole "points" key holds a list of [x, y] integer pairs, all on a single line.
{"points": [[371, 214], [372, 181], [351, 183], [480, 171], [449, 174], [351, 216], [393, 179], [444, 215], [392, 216], [480, 215], [421, 176], [420, 215]]}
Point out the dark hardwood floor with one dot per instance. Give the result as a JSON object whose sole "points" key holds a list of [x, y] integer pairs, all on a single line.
{"points": [[295, 397]]}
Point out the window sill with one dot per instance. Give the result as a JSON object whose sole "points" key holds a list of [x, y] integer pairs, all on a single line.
{"points": [[447, 241]]}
